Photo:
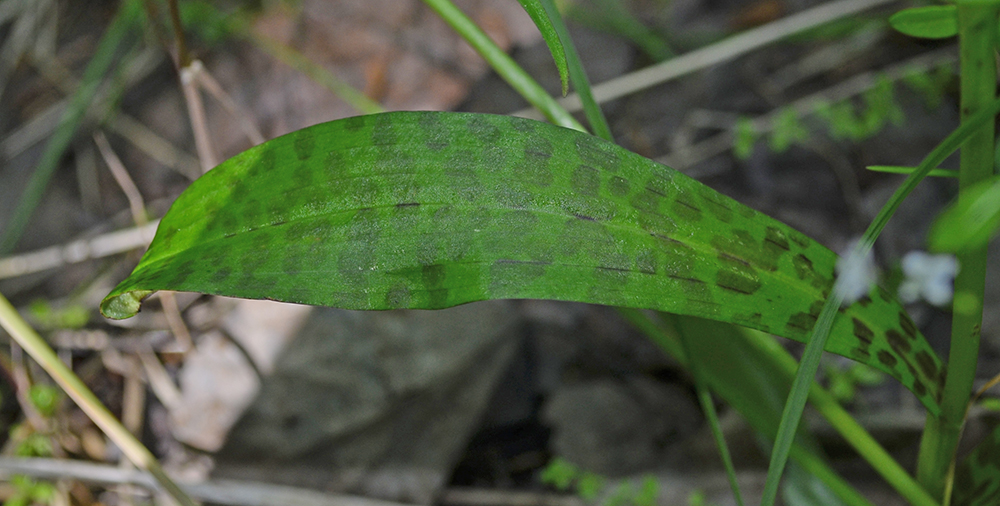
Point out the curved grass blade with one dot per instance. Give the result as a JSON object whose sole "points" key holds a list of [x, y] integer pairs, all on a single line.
{"points": [[704, 394], [895, 169], [431, 210], [503, 64], [537, 12], [591, 109]]}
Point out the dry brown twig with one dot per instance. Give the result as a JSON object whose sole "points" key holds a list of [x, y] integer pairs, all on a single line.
{"points": [[135, 201], [236, 493]]}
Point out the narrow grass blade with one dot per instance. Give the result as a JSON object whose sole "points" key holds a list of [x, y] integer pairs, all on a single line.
{"points": [[122, 24], [430, 210], [708, 408], [504, 66], [895, 169], [578, 75], [539, 15]]}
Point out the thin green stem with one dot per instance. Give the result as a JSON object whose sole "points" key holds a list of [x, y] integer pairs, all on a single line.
{"points": [[977, 38], [796, 403], [25, 336], [708, 407], [578, 75], [506, 67]]}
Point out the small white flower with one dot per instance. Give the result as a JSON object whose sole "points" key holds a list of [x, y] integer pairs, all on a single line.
{"points": [[929, 277], [855, 274]]}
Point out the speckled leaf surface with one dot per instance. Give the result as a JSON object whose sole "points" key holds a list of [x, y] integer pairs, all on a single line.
{"points": [[430, 210], [977, 478]]}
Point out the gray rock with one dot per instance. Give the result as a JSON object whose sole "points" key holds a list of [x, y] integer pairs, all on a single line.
{"points": [[377, 403], [616, 427]]}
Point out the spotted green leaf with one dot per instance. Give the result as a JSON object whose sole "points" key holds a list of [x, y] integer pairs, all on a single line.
{"points": [[537, 12], [430, 210], [977, 478], [930, 22]]}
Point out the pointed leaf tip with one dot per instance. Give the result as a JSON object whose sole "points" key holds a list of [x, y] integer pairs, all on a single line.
{"points": [[537, 12], [120, 306]]}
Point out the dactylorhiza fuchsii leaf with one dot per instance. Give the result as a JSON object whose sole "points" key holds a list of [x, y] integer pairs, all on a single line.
{"points": [[428, 210]]}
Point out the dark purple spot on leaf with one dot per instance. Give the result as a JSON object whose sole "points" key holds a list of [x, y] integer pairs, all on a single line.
{"points": [[538, 149], [716, 206], [660, 185], [264, 164], [437, 137], [534, 167], [775, 237], [220, 275], [398, 297], [645, 262], [596, 153], [364, 226], [383, 131], [685, 209], [927, 364], [863, 332], [483, 129], [738, 277], [586, 180], [887, 359], [610, 277], [523, 125], [897, 342], [754, 320], [618, 186], [433, 276], [907, 324], [806, 272], [354, 123], [803, 322], [304, 144]]}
